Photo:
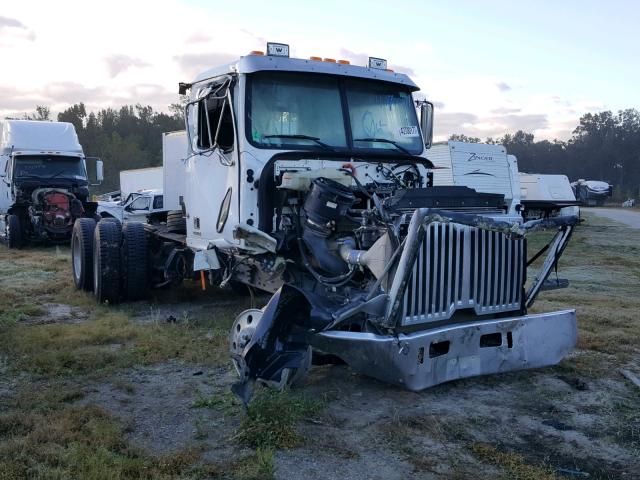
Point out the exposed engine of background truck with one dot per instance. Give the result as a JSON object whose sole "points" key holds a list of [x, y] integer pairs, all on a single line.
{"points": [[44, 186]]}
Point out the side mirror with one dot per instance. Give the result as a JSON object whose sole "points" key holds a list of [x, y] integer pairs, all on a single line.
{"points": [[426, 122], [99, 171]]}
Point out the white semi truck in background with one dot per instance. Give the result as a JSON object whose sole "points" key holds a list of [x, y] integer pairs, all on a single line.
{"points": [[311, 179], [44, 186]]}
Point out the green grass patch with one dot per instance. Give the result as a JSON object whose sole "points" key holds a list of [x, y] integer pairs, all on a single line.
{"points": [[271, 418]]}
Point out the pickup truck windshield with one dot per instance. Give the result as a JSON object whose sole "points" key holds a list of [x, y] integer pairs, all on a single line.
{"points": [[49, 166], [303, 111]]}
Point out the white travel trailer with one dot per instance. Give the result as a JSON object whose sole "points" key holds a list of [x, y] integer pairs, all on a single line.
{"points": [[44, 186], [308, 178], [483, 167], [547, 195]]}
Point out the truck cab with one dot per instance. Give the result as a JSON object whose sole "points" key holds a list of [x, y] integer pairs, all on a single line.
{"points": [[311, 179], [44, 185]]}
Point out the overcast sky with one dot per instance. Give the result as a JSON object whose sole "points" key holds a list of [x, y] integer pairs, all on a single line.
{"points": [[490, 67]]}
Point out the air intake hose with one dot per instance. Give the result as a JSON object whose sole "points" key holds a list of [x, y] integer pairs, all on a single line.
{"points": [[326, 202]]}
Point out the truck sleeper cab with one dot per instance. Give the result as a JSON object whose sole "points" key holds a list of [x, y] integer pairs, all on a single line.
{"points": [[312, 180], [44, 186]]}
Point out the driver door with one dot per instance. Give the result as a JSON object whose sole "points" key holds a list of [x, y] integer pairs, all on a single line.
{"points": [[137, 210]]}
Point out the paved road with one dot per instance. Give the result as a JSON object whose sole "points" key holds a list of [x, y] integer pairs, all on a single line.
{"points": [[627, 216]]}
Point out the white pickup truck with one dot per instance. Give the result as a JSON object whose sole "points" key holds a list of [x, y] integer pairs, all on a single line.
{"points": [[142, 206]]}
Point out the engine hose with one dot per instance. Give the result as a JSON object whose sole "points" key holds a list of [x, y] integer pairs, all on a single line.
{"points": [[332, 281]]}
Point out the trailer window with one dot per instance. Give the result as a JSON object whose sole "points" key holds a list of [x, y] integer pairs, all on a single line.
{"points": [[215, 122]]}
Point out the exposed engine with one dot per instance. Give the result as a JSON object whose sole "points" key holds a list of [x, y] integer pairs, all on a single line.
{"points": [[53, 211]]}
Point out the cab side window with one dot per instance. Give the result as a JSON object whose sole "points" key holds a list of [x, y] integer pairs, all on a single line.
{"points": [[141, 203], [157, 202], [215, 121]]}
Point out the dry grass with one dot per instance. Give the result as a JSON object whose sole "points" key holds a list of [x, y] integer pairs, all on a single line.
{"points": [[512, 464], [603, 265]]}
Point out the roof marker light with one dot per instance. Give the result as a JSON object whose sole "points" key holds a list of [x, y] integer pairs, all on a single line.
{"points": [[277, 49], [344, 62], [377, 63], [256, 52], [330, 60], [317, 59]]}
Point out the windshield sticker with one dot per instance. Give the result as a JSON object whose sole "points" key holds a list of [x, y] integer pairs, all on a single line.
{"points": [[409, 132]]}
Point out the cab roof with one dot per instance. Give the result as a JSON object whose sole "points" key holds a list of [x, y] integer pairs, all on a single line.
{"points": [[258, 63]]}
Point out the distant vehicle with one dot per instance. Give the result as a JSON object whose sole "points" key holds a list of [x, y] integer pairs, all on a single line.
{"points": [[108, 197], [592, 193], [143, 206], [629, 203], [545, 196], [44, 186], [140, 179]]}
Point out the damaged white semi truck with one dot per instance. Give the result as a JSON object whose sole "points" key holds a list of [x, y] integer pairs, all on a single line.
{"points": [[310, 179]]}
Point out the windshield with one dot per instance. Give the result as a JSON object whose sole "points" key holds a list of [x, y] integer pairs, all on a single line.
{"points": [[287, 110], [49, 166]]}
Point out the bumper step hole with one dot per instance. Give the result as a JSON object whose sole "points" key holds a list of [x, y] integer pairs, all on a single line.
{"points": [[491, 340], [509, 340], [439, 348]]}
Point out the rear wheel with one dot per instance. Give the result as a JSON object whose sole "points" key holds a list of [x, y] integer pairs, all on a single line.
{"points": [[14, 232], [176, 223], [135, 264], [106, 262], [82, 253]]}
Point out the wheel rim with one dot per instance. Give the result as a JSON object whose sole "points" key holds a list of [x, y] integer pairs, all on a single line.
{"points": [[76, 258], [242, 331]]}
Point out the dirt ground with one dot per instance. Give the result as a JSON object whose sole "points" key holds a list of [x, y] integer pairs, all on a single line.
{"points": [[629, 216], [142, 390]]}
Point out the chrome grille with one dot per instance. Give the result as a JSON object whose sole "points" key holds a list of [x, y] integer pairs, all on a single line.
{"points": [[460, 267]]}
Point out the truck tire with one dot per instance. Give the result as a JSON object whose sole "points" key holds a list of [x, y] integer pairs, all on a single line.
{"points": [[135, 261], [82, 253], [106, 262], [14, 232], [176, 223]]}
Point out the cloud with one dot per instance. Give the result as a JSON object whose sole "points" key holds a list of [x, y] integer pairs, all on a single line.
{"points": [[116, 64], [6, 22], [503, 86], [505, 110], [193, 63]]}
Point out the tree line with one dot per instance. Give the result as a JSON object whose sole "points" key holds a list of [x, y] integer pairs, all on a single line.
{"points": [[125, 138], [604, 146]]}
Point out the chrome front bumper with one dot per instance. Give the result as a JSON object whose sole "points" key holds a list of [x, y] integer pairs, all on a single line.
{"points": [[423, 359]]}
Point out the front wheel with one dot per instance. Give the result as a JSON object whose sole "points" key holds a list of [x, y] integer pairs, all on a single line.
{"points": [[14, 232]]}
